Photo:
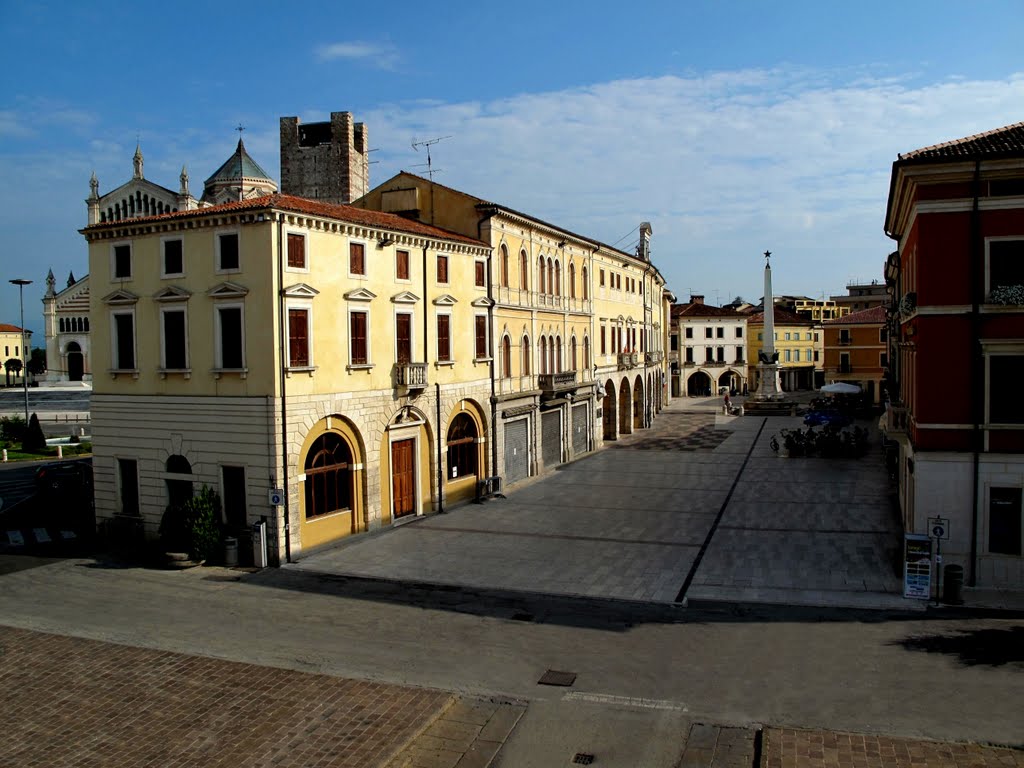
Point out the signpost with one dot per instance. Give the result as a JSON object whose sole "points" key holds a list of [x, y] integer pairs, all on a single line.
{"points": [[938, 529], [917, 566]]}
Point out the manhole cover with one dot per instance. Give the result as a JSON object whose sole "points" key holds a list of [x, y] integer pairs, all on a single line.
{"points": [[554, 677], [582, 758]]}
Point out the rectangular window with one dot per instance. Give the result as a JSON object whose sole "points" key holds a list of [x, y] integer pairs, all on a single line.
{"points": [[128, 478], [844, 363], [673, 342], [175, 345], [174, 260], [604, 346], [357, 332], [789, 356], [796, 355], [122, 262], [815, 355], [721, 354], [1004, 518], [296, 251], [1005, 263], [883, 335], [689, 354], [883, 360], [481, 336], [709, 333], [444, 338], [233, 495], [298, 338], [618, 282], [787, 336], [442, 268], [478, 274], [227, 252], [229, 320], [124, 341], [739, 354], [720, 332], [357, 259], [1005, 404], [403, 337], [739, 332], [689, 333], [602, 278], [402, 265]]}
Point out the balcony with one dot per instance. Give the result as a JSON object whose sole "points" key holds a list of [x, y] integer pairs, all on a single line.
{"points": [[411, 375], [515, 384], [553, 383], [845, 341], [628, 360], [653, 358], [897, 420]]}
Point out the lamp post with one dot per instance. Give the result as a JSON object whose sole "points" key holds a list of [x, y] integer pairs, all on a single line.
{"points": [[24, 362]]}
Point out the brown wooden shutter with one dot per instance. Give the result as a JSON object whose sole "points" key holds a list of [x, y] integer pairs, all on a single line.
{"points": [[442, 269], [481, 336], [357, 258], [402, 265], [296, 251], [403, 337], [298, 338], [479, 274], [358, 323], [444, 346]]}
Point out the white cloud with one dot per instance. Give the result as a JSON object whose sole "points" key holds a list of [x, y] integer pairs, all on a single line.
{"points": [[380, 55]]}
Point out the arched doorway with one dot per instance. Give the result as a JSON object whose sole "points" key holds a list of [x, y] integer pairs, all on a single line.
{"points": [[698, 385], [330, 485], [328, 482], [728, 379], [625, 411], [464, 457], [638, 403], [608, 410], [179, 489], [76, 362]]}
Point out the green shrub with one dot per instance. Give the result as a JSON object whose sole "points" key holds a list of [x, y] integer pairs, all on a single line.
{"points": [[12, 428], [34, 441], [194, 527]]}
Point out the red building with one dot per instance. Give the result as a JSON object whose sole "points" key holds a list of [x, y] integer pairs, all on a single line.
{"points": [[956, 211]]}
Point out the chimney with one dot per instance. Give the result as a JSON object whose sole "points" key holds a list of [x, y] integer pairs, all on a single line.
{"points": [[696, 299]]}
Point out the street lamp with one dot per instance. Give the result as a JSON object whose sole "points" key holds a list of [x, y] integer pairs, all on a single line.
{"points": [[24, 362]]}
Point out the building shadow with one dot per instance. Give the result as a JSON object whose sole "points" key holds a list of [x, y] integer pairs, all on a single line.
{"points": [[979, 647]]}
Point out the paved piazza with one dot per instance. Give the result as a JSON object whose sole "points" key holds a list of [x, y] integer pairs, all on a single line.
{"points": [[637, 521]]}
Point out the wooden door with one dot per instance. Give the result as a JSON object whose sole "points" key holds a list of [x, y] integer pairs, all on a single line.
{"points": [[403, 338], [403, 477]]}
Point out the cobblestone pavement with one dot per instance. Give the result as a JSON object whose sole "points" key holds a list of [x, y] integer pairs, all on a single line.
{"points": [[791, 748], [74, 702], [697, 507]]}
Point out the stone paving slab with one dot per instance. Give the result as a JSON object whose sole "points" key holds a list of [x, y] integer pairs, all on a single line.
{"points": [[792, 748], [74, 702]]}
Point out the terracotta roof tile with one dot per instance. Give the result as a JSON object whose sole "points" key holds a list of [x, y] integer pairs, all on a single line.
{"points": [[1008, 140], [301, 205], [781, 317], [704, 310], [869, 316], [8, 328]]}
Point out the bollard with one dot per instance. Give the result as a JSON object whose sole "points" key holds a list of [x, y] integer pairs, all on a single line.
{"points": [[60, 452], [5, 455]]}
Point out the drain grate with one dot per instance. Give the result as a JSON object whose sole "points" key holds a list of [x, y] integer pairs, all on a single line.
{"points": [[554, 677], [522, 617], [582, 758]]}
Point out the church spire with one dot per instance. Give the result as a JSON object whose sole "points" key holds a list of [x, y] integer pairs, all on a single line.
{"points": [[51, 282], [184, 181], [94, 187], [137, 161]]}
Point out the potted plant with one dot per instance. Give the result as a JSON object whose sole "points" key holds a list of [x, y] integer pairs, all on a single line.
{"points": [[190, 533]]}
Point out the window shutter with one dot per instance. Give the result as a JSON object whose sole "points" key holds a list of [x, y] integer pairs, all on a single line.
{"points": [[444, 352], [298, 337], [296, 251], [402, 265], [358, 323], [481, 336], [357, 259]]}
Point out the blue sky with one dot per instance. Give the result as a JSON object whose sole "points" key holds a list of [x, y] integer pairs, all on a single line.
{"points": [[731, 126]]}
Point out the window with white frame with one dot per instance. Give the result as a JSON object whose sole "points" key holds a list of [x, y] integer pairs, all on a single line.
{"points": [[123, 336], [296, 247], [229, 337], [228, 259], [174, 338], [444, 337], [1004, 273], [359, 326], [1005, 371], [357, 260], [401, 265], [121, 261], [173, 263], [480, 334], [403, 337], [300, 351]]}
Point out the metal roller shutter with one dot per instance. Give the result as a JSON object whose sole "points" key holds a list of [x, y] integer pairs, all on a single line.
{"points": [[580, 431], [551, 426], [517, 450]]}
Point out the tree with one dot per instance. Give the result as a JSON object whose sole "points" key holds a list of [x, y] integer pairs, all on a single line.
{"points": [[37, 363], [34, 440], [12, 365]]}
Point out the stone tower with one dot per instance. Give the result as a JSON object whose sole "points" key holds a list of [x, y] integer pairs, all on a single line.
{"points": [[325, 161]]}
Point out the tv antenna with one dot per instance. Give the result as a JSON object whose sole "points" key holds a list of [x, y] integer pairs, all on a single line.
{"points": [[428, 143]]}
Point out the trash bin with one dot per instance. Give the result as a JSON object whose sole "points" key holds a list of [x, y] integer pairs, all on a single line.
{"points": [[230, 551], [952, 584]]}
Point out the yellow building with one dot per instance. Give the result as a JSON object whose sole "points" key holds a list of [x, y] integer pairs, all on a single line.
{"points": [[579, 328], [339, 355], [795, 343], [15, 344]]}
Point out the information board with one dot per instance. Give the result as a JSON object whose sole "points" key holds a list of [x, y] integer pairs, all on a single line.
{"points": [[917, 566]]}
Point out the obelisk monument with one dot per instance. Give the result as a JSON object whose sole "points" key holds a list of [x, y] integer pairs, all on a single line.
{"points": [[769, 386]]}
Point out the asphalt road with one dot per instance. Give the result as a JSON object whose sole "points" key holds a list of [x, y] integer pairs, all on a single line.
{"points": [[41, 400]]}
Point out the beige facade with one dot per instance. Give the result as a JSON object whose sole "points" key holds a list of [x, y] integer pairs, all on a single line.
{"points": [[796, 340], [15, 345], [283, 343], [578, 328]]}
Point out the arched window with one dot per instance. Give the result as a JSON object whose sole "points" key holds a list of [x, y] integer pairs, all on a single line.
{"points": [[558, 279], [543, 354], [572, 354], [86, 329], [524, 271], [526, 356], [506, 357], [551, 279], [556, 362], [572, 281], [586, 353], [504, 266], [328, 481], [462, 444], [178, 491], [541, 273], [61, 323]]}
